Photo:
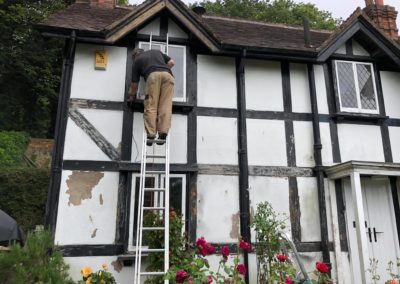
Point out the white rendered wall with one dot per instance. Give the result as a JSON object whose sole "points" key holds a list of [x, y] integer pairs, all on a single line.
{"points": [[341, 50], [275, 190], [88, 83], [359, 50], [216, 81], [218, 208], [390, 87], [394, 134], [92, 219], [266, 142], [263, 85], [299, 88], [304, 143], [175, 31], [151, 28], [217, 140], [178, 140], [326, 151], [360, 142], [320, 88], [309, 218]]}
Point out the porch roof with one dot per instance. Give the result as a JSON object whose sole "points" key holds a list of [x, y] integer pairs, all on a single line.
{"points": [[364, 168]]}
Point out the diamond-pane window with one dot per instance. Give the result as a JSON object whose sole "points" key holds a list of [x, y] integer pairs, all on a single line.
{"points": [[356, 87]]}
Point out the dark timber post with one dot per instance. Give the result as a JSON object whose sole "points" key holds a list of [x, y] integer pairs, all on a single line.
{"points": [[319, 171], [59, 136], [244, 200]]}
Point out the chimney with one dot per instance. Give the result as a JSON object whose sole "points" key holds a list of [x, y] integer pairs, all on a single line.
{"points": [[108, 4], [384, 16]]}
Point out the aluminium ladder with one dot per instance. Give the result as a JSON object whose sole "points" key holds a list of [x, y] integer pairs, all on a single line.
{"points": [[162, 208]]}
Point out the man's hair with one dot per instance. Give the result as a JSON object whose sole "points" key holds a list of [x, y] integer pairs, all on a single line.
{"points": [[137, 51]]}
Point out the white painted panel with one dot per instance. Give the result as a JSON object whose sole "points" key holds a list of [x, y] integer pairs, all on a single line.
{"points": [[326, 152], [175, 31], [394, 134], [263, 85], [92, 220], [88, 83], [309, 218], [299, 88], [151, 28], [320, 88], [341, 50], [216, 85], [328, 209], [309, 260], [218, 208], [79, 146], [360, 142], [304, 143], [275, 190], [178, 140], [390, 87], [107, 122], [266, 142], [124, 276], [359, 50], [217, 140]]}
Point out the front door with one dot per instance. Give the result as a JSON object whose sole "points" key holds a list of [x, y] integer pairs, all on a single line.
{"points": [[379, 226]]}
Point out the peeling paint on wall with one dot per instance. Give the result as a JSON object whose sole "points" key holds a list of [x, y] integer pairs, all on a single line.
{"points": [[118, 265], [101, 199], [234, 234], [80, 186], [93, 235]]}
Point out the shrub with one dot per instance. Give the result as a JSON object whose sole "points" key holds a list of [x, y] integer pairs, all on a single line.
{"points": [[12, 148], [38, 262]]}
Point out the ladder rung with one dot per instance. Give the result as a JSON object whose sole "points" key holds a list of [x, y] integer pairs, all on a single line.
{"points": [[155, 172], [154, 208], [154, 189], [152, 250], [153, 228], [151, 273], [155, 156], [156, 141]]}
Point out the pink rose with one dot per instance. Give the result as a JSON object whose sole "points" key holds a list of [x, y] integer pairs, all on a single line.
{"points": [[181, 276], [190, 281], [210, 248], [244, 246], [282, 257], [322, 267], [225, 251], [241, 269], [201, 242], [288, 280], [210, 279]]}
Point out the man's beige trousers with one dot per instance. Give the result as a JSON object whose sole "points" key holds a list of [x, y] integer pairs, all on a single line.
{"points": [[158, 103]]}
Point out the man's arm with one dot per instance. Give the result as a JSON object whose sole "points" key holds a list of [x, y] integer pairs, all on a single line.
{"points": [[171, 63], [132, 91]]}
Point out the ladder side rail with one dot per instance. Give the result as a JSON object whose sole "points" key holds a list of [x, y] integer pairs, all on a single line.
{"points": [[166, 204]]}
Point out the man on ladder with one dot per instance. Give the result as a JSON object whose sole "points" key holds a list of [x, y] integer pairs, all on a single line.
{"points": [[155, 67]]}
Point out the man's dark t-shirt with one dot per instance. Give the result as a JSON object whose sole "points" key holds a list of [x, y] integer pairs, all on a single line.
{"points": [[149, 61]]}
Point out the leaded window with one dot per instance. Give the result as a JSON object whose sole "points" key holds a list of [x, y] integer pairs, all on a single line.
{"points": [[356, 87]]}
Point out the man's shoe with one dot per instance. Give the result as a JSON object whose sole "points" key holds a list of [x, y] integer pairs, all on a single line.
{"points": [[149, 140], [162, 137]]}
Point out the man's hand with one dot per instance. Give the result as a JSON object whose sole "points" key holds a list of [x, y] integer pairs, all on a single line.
{"points": [[171, 63], [132, 92]]}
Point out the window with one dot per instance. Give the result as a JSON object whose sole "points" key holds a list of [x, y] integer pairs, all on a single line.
{"points": [[177, 192], [356, 87], [178, 54]]}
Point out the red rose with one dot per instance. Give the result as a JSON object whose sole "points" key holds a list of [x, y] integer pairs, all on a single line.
{"points": [[210, 248], [210, 279], [190, 281], [244, 246], [322, 267], [181, 276], [225, 251], [203, 251], [201, 242], [241, 269], [282, 257], [172, 214], [288, 280]]}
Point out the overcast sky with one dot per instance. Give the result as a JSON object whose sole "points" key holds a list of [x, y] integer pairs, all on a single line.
{"points": [[338, 8]]}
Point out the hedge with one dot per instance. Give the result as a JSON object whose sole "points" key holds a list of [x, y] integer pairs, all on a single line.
{"points": [[12, 148], [23, 194]]}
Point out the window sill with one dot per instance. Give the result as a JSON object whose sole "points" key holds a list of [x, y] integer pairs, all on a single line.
{"points": [[363, 117], [177, 107]]}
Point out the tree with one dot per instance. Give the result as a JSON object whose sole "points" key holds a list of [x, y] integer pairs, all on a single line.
{"points": [[275, 11], [30, 67]]}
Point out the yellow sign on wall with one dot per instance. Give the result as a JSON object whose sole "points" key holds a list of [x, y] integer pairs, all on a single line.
{"points": [[101, 60]]}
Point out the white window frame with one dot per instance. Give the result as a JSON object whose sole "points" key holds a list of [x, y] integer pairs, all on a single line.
{"points": [[159, 180], [359, 108], [163, 49]]}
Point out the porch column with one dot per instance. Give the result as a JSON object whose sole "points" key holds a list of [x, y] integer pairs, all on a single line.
{"points": [[358, 208]]}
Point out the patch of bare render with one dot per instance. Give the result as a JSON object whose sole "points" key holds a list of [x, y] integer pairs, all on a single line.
{"points": [[101, 199], [80, 185], [93, 235], [234, 234], [118, 265]]}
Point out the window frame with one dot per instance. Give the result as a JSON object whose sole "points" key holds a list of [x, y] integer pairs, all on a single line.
{"points": [[163, 49], [359, 108], [159, 180]]}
